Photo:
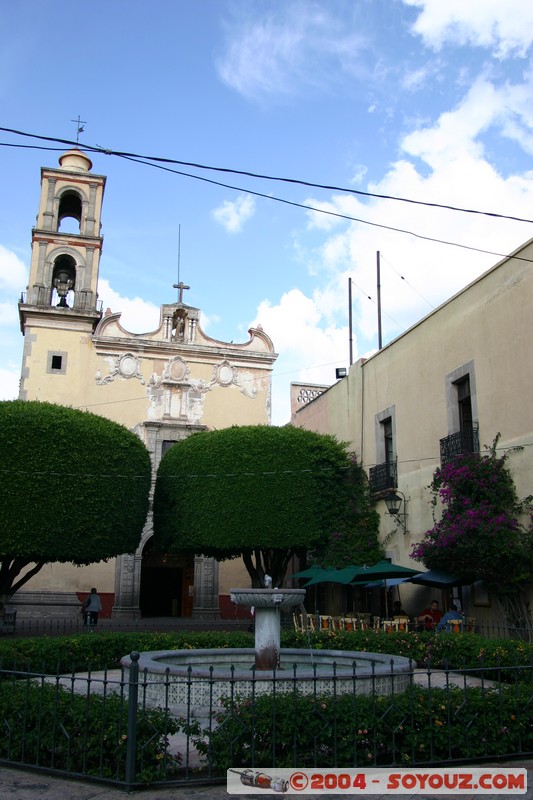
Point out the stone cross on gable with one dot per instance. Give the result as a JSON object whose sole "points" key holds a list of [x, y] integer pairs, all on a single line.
{"points": [[181, 288]]}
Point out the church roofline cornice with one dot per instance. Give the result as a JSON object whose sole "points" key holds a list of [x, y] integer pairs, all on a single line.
{"points": [[165, 350], [72, 175]]}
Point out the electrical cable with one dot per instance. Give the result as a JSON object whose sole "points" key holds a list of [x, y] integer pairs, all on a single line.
{"points": [[335, 214], [245, 173]]}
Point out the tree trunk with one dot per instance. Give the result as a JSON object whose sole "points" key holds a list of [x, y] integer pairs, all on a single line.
{"points": [[10, 568], [266, 562]]}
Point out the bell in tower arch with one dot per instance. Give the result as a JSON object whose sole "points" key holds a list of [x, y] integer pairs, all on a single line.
{"points": [[64, 279]]}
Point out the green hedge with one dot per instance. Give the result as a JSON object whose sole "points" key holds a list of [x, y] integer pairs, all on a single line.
{"points": [[417, 726], [47, 726], [456, 651], [100, 650]]}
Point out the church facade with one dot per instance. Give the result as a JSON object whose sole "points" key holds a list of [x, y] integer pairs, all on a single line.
{"points": [[165, 385]]}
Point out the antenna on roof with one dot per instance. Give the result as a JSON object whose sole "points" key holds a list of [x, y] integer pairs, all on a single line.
{"points": [[180, 286], [79, 127], [179, 251]]}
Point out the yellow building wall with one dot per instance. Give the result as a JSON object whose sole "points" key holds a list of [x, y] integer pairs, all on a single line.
{"points": [[489, 325]]}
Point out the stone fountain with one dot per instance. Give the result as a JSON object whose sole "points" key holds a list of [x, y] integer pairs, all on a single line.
{"points": [[267, 604], [197, 681]]}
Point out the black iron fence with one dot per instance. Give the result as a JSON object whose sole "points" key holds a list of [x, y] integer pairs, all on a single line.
{"points": [[136, 729]]}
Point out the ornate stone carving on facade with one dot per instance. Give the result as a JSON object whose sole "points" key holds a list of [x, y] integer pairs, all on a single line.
{"points": [[306, 395], [126, 367], [175, 371], [225, 375]]}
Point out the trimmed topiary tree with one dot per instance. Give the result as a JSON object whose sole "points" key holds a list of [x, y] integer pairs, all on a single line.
{"points": [[265, 493], [75, 488]]}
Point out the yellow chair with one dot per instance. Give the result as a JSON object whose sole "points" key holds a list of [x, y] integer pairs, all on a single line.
{"points": [[454, 625], [364, 622], [471, 624], [390, 625], [326, 622], [403, 622], [308, 622]]}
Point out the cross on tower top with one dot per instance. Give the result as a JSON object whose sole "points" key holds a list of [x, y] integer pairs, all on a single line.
{"points": [[79, 127], [181, 288]]}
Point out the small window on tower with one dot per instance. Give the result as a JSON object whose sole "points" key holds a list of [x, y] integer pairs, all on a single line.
{"points": [[56, 363]]}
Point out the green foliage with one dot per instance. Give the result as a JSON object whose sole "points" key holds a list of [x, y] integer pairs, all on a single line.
{"points": [[479, 535], [247, 489], [48, 726], [439, 650], [356, 539], [74, 485], [417, 726], [104, 650]]}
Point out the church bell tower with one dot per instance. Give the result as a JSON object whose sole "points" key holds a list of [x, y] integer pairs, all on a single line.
{"points": [[60, 304]]}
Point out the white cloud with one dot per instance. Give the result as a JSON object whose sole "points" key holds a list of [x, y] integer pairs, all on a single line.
{"points": [[272, 55], [233, 215], [13, 271], [507, 27], [445, 162], [8, 314], [137, 316], [9, 383], [309, 343]]}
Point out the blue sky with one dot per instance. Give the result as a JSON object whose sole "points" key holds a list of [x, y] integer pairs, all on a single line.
{"points": [[419, 99]]}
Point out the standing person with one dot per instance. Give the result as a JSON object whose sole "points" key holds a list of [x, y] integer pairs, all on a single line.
{"points": [[93, 606], [430, 617]]}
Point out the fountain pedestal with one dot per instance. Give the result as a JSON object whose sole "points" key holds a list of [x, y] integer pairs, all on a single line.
{"points": [[267, 604]]}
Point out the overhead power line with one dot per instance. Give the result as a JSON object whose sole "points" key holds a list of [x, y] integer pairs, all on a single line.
{"points": [[261, 176]]}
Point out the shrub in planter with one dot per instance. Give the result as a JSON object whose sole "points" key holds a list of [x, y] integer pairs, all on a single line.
{"points": [[416, 727], [45, 725]]}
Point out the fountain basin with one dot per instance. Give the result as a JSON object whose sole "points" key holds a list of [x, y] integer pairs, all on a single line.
{"points": [[196, 681]]}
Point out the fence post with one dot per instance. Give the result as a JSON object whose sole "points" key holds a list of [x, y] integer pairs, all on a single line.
{"points": [[131, 730]]}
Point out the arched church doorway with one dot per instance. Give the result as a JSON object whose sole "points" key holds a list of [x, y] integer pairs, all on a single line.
{"points": [[167, 583]]}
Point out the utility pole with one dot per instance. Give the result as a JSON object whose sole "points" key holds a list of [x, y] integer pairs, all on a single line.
{"points": [[378, 267], [350, 318]]}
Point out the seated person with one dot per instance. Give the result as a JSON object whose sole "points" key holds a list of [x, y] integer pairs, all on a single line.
{"points": [[397, 610], [453, 613], [430, 617]]}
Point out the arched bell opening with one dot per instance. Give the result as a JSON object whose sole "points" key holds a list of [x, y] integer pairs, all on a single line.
{"points": [[63, 281], [69, 213]]}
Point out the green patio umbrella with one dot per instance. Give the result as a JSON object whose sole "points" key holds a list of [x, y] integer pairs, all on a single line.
{"points": [[383, 571], [332, 575], [310, 572]]}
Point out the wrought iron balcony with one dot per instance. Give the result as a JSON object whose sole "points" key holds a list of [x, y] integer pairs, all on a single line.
{"points": [[459, 444], [383, 476]]}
